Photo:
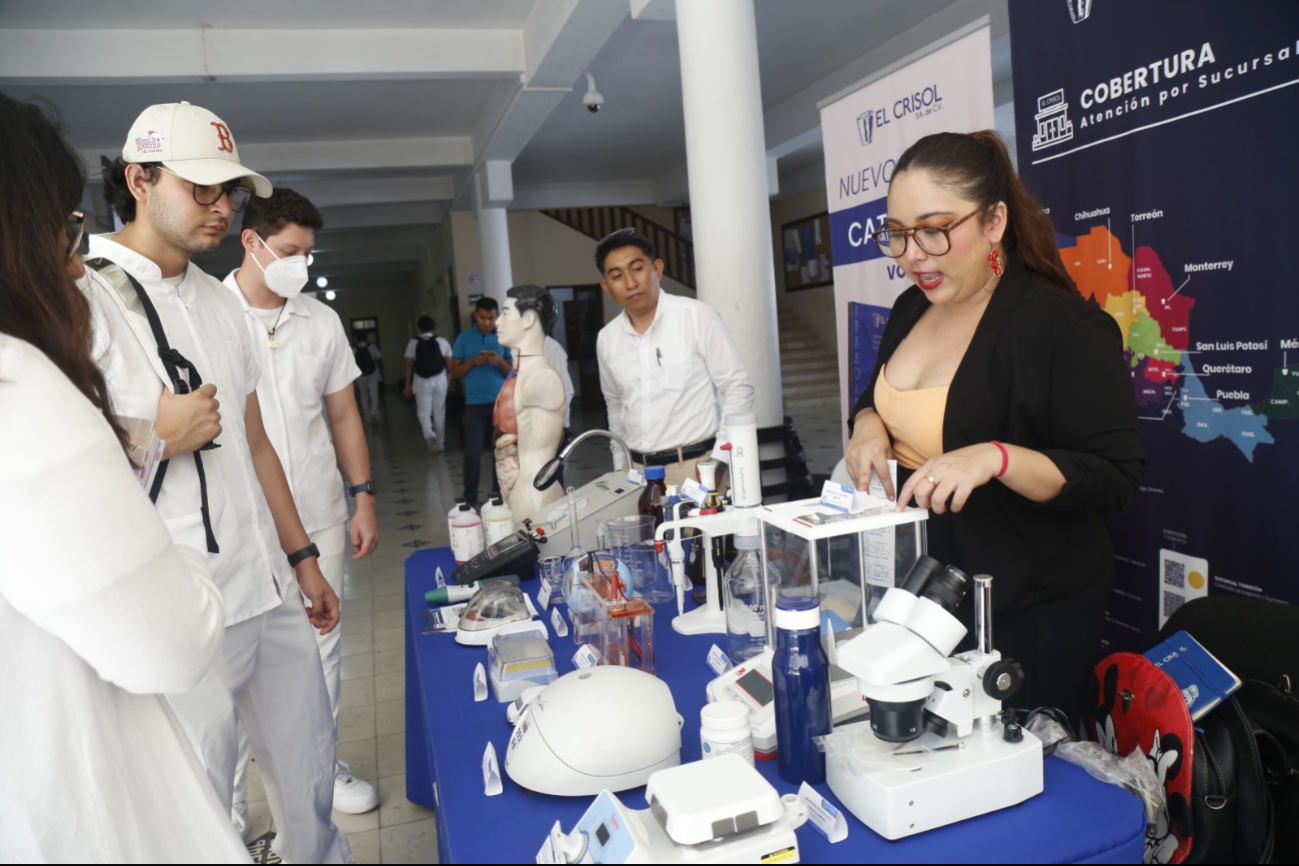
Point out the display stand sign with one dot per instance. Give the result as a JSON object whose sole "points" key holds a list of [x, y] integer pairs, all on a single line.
{"points": [[946, 87], [1145, 132]]}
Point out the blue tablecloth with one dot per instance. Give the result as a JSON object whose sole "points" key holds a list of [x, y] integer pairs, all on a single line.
{"points": [[1076, 820]]}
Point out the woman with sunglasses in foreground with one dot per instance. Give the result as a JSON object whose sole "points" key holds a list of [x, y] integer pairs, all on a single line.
{"points": [[1006, 400], [99, 612]]}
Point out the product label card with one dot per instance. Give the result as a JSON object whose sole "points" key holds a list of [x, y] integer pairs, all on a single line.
{"points": [[694, 491], [480, 683], [842, 497], [491, 772], [718, 662], [585, 657], [550, 852], [636, 477], [556, 620], [442, 620], [822, 814], [543, 594], [439, 578]]}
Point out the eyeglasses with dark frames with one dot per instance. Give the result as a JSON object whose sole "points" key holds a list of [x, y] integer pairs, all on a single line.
{"points": [[934, 240], [209, 194], [76, 229]]}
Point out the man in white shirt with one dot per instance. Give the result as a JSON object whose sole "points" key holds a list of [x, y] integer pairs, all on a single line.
{"points": [[426, 379], [174, 349], [668, 367], [302, 351], [368, 383]]}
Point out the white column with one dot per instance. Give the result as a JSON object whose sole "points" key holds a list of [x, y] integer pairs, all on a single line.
{"points": [[493, 191], [494, 234], [729, 207]]}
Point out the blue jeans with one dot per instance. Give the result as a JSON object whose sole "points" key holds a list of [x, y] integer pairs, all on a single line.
{"points": [[478, 428]]}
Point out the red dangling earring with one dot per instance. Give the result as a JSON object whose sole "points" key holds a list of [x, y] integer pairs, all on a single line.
{"points": [[994, 261]]}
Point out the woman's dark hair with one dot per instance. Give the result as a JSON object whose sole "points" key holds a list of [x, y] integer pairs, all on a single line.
{"points": [[40, 303], [535, 299], [116, 192], [977, 167], [268, 216]]}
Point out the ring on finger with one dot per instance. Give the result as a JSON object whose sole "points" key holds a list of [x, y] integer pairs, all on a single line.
{"points": [[931, 480]]}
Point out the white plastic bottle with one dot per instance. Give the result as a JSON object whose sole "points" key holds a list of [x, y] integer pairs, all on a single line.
{"points": [[498, 521], [466, 534], [724, 729], [451, 515]]}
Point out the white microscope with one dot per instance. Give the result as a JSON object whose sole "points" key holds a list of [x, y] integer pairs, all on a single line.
{"points": [[903, 776], [737, 515]]}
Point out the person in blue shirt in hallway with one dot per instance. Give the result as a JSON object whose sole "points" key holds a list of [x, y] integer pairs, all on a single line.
{"points": [[479, 357]]}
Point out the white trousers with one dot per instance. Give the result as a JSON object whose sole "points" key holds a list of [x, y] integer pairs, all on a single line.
{"points": [[431, 406], [333, 546], [269, 678], [369, 386]]}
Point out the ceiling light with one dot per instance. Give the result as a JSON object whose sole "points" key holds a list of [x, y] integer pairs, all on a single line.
{"points": [[321, 282], [330, 295]]}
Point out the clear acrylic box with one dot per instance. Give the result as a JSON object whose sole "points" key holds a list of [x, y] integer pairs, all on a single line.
{"points": [[846, 561]]}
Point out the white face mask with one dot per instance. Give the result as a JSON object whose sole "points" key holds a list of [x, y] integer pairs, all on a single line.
{"points": [[284, 276]]}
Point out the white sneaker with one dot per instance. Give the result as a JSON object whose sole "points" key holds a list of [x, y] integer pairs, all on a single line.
{"points": [[352, 795], [239, 817]]}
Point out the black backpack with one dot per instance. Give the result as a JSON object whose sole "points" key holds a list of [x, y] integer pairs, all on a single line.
{"points": [[364, 359], [429, 360]]}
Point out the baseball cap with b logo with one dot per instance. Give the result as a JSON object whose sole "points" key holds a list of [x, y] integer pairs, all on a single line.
{"points": [[191, 141]]}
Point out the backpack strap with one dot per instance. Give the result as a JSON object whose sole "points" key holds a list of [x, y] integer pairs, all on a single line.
{"points": [[174, 363]]}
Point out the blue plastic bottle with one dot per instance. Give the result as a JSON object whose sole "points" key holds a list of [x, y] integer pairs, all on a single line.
{"points": [[800, 672]]}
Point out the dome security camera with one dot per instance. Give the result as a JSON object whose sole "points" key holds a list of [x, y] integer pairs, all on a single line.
{"points": [[593, 100]]}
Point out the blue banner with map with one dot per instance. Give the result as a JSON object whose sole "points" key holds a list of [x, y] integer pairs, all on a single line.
{"points": [[1162, 140]]}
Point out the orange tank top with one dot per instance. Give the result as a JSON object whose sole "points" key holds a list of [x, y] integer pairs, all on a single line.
{"points": [[914, 420]]}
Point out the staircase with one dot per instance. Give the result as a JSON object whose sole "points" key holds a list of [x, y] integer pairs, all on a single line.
{"points": [[678, 254], [809, 371]]}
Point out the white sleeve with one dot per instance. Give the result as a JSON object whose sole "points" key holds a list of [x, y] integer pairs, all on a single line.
{"points": [[411, 347], [613, 402], [342, 366], [725, 368], [83, 553]]}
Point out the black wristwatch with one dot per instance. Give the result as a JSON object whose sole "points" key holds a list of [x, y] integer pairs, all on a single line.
{"points": [[363, 487], [305, 553]]}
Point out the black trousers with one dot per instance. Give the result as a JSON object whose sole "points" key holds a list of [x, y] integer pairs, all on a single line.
{"points": [[478, 429], [1058, 643]]}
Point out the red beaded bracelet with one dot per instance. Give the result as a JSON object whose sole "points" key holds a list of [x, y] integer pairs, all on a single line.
{"points": [[1005, 458]]}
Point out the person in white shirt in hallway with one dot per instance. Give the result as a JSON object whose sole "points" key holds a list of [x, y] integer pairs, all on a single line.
{"points": [[100, 612], [174, 347], [302, 351], [426, 380], [370, 379], [668, 367]]}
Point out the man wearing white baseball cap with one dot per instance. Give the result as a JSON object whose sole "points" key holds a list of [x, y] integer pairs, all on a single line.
{"points": [[174, 349]]}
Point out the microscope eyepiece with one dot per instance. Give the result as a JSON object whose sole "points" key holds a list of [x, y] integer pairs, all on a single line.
{"points": [[918, 577], [948, 589]]}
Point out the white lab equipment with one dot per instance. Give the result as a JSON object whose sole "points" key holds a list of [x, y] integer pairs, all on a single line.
{"points": [[609, 496], [719, 811], [750, 685], [899, 777], [738, 515], [497, 604], [602, 728], [724, 730]]}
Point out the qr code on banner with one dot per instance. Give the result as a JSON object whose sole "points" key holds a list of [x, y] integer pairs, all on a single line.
{"points": [[1172, 601], [1175, 573]]}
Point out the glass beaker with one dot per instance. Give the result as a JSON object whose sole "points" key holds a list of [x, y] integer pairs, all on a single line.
{"points": [[631, 540]]}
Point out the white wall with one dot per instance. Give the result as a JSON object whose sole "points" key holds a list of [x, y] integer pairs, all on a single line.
{"points": [[396, 314]]}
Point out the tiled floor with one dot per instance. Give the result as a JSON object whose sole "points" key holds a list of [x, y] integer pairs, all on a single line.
{"points": [[416, 491]]}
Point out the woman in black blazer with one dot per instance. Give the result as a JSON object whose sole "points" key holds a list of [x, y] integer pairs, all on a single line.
{"points": [[1007, 401]]}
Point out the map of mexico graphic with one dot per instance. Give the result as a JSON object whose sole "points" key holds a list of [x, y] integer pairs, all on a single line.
{"points": [[1171, 201]]}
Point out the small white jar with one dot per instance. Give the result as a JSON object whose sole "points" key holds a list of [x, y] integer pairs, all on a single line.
{"points": [[724, 730]]}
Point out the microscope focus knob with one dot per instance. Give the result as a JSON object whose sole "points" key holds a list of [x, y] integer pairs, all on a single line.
{"points": [[1003, 678]]}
